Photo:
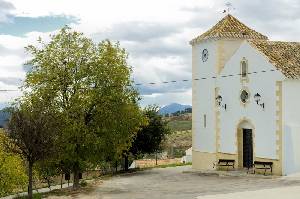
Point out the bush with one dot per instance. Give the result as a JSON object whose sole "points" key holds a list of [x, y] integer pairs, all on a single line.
{"points": [[83, 183], [12, 171]]}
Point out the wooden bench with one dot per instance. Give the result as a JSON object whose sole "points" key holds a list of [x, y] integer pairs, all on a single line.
{"points": [[226, 162], [263, 165]]}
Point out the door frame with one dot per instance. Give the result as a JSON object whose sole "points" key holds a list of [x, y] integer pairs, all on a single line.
{"points": [[246, 124]]}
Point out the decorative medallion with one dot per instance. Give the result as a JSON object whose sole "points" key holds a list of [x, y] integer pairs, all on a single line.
{"points": [[204, 55], [244, 96]]}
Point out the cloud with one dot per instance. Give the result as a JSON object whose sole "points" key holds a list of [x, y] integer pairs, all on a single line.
{"points": [[138, 31], [11, 81], [4, 51], [278, 19], [5, 10], [154, 32], [163, 99]]}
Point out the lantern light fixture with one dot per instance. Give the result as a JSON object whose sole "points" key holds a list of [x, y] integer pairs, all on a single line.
{"points": [[219, 102], [257, 98]]}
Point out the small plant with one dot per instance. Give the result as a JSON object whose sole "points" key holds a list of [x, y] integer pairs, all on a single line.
{"points": [[83, 183], [35, 196]]}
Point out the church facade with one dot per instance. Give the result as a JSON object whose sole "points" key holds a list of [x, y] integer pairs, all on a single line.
{"points": [[246, 90]]}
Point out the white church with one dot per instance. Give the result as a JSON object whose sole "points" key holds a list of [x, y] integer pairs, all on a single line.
{"points": [[246, 100]]}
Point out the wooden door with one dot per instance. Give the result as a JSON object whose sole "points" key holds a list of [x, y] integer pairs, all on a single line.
{"points": [[247, 148]]}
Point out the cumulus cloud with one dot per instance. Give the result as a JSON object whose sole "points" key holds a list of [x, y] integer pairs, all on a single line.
{"points": [[5, 10], [155, 33], [138, 31]]}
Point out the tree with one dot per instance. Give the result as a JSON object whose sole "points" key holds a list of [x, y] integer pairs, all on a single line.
{"points": [[12, 170], [89, 84], [32, 130], [150, 137]]}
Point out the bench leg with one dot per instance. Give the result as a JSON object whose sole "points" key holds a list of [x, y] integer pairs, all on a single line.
{"points": [[271, 170]]}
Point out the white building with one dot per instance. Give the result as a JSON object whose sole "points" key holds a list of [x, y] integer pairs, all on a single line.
{"points": [[246, 91]]}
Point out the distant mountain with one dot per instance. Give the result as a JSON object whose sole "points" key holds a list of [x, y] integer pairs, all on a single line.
{"points": [[172, 108], [4, 116]]}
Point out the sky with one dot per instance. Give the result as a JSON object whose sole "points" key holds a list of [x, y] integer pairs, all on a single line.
{"points": [[155, 33]]}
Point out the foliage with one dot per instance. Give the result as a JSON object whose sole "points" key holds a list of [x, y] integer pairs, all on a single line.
{"points": [[89, 85], [12, 172], [35, 196], [177, 113], [150, 137], [32, 130]]}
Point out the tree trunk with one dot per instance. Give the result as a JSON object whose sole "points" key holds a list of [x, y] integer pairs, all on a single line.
{"points": [[126, 163], [30, 165], [76, 176], [116, 166], [155, 158], [61, 180]]}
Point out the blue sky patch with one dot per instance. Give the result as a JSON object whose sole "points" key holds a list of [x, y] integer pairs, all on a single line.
{"points": [[19, 26]]}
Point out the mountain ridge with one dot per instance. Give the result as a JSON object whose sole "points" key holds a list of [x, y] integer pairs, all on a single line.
{"points": [[172, 108]]}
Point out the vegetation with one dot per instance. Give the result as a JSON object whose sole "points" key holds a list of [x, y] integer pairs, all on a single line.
{"points": [[180, 125], [150, 137], [178, 113], [79, 110], [177, 142], [12, 172], [32, 131], [89, 85]]}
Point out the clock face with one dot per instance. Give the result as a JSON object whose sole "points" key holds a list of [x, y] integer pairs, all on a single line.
{"points": [[204, 55]]}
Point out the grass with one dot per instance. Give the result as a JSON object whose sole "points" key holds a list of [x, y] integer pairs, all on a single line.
{"points": [[180, 125], [35, 196], [173, 165]]}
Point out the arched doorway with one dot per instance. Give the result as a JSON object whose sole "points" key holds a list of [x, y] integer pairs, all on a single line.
{"points": [[245, 144]]}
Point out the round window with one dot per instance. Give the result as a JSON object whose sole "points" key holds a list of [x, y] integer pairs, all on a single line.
{"points": [[244, 96]]}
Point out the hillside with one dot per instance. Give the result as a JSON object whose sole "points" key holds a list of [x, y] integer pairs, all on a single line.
{"points": [[172, 108], [4, 116], [180, 138], [180, 125]]}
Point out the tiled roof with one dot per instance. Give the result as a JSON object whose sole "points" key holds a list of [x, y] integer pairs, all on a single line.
{"points": [[230, 27], [285, 56]]}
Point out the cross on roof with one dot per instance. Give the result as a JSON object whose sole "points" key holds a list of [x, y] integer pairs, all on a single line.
{"points": [[229, 8]]}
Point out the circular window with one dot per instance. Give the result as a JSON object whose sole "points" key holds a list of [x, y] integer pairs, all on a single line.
{"points": [[244, 96]]}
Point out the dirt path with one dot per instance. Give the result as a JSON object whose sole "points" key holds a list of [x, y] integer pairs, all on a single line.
{"points": [[174, 183]]}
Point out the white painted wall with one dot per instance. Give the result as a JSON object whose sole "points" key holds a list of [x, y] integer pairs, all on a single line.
{"points": [[263, 120], [291, 126], [203, 93]]}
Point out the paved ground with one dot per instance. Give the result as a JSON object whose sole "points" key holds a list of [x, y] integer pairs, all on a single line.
{"points": [[275, 193], [173, 183]]}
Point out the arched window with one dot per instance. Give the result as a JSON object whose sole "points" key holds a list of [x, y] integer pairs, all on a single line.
{"points": [[244, 68]]}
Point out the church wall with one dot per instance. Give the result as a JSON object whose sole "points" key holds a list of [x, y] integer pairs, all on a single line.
{"points": [[264, 120], [203, 98], [291, 127]]}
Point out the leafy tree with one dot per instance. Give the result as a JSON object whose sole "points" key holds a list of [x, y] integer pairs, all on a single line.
{"points": [[32, 130], [89, 84], [150, 137], [12, 170]]}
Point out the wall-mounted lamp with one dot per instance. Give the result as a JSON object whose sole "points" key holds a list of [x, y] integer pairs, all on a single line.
{"points": [[257, 98], [219, 102]]}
